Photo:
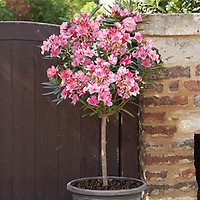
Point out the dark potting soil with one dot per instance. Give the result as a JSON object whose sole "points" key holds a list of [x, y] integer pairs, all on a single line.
{"points": [[113, 184]]}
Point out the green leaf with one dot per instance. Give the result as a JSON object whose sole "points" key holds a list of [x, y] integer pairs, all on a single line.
{"points": [[48, 93], [161, 9], [151, 82], [127, 112], [56, 91], [57, 101], [95, 10], [49, 85]]}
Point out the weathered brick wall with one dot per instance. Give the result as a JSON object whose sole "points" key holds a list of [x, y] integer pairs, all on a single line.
{"points": [[170, 114]]}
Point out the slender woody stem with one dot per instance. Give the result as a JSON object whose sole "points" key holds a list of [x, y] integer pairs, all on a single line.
{"points": [[103, 149]]}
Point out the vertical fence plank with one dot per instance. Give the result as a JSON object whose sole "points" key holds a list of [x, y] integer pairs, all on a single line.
{"points": [[5, 121], [46, 135], [23, 121], [69, 146], [129, 144], [113, 146], [90, 145]]}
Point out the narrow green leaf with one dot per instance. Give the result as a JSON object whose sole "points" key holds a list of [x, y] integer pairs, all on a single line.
{"points": [[95, 10], [56, 91], [127, 112], [48, 93]]}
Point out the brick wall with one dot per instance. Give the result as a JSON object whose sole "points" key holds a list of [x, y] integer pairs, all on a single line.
{"points": [[170, 114]]}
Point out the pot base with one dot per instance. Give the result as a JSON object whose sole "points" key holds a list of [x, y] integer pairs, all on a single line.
{"points": [[136, 193]]}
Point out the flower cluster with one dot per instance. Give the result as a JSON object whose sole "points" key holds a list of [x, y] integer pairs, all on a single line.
{"points": [[102, 61]]}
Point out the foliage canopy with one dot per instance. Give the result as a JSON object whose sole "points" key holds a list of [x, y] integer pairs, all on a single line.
{"points": [[49, 11]]}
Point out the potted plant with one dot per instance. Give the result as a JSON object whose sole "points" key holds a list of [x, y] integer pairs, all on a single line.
{"points": [[103, 63]]}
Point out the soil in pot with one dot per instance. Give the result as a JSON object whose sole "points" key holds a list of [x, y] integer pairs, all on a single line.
{"points": [[113, 184]]}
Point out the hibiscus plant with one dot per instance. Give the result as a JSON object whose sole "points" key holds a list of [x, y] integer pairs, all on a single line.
{"points": [[103, 63]]}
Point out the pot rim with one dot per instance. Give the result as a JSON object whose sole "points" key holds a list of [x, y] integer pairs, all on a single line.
{"points": [[76, 190]]}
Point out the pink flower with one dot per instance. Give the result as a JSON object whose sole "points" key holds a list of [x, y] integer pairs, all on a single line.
{"points": [[149, 44], [137, 17], [81, 31], [51, 72], [106, 97], [76, 20], [99, 18], [140, 53], [126, 38], [93, 100], [118, 25], [64, 93], [74, 99], [94, 25], [137, 77], [146, 63], [115, 9], [71, 31], [46, 46], [153, 55], [55, 52], [86, 15], [64, 74], [116, 36], [93, 88], [112, 59], [126, 95], [120, 92], [90, 52], [129, 24], [78, 57], [102, 34], [102, 62], [122, 50], [112, 77], [125, 12], [126, 60], [135, 90], [122, 71], [139, 37], [63, 28]]}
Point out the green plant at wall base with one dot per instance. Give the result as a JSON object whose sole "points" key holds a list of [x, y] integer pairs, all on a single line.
{"points": [[163, 6]]}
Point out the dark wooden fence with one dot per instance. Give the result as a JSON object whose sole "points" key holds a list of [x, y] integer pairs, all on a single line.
{"points": [[42, 146]]}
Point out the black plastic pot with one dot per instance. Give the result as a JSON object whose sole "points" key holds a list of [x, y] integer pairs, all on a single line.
{"points": [[127, 194]]}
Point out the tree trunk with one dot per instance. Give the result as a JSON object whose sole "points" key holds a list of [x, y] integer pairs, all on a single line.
{"points": [[103, 150]]}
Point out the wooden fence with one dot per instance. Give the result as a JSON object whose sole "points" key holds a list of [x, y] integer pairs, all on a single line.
{"points": [[42, 146]]}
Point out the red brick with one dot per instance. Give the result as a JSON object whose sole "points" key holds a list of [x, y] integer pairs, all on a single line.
{"points": [[169, 188], [187, 173], [155, 146], [166, 131], [165, 101], [174, 85], [169, 159], [153, 117], [172, 72], [158, 175], [197, 72], [157, 88], [192, 85]]}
